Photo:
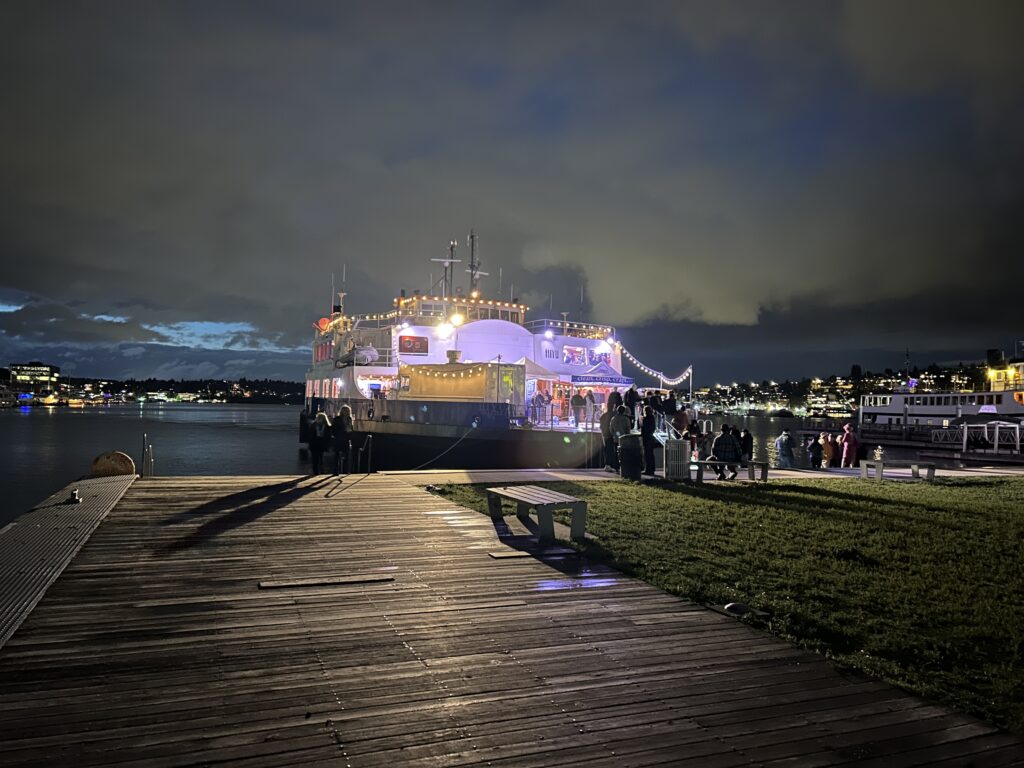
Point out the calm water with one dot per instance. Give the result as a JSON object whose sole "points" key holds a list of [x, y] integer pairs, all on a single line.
{"points": [[44, 449]]}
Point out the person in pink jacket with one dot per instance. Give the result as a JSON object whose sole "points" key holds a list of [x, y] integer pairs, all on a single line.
{"points": [[850, 445]]}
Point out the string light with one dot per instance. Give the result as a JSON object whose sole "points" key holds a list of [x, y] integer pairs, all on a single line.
{"points": [[657, 374]]}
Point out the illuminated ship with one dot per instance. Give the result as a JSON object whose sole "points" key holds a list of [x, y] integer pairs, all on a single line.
{"points": [[1004, 399], [451, 377]]}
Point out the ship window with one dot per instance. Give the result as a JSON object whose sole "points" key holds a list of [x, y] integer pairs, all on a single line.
{"points": [[999, 399], [945, 400], [972, 400]]}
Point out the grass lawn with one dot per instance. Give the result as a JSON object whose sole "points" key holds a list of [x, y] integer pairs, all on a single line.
{"points": [[919, 584]]}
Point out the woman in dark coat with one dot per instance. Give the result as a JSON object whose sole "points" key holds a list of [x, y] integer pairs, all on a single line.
{"points": [[342, 435], [319, 440]]}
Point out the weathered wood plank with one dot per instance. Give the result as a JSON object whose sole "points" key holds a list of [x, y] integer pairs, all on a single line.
{"points": [[157, 647]]}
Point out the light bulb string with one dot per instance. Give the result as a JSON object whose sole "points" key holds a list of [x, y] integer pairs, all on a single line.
{"points": [[657, 374]]}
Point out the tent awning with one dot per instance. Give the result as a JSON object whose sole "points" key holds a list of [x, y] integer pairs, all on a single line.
{"points": [[536, 371]]}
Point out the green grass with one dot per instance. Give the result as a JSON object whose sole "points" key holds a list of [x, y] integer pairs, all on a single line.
{"points": [[919, 584]]}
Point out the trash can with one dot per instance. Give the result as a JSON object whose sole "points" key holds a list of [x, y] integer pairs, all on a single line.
{"points": [[677, 460], [631, 456]]}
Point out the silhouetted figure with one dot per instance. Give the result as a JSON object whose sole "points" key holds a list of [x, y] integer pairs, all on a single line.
{"points": [[747, 444], [726, 449], [813, 453], [647, 435], [342, 436], [631, 400], [319, 440], [611, 454]]}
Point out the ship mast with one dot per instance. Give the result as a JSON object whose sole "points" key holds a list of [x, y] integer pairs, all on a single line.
{"points": [[474, 265]]}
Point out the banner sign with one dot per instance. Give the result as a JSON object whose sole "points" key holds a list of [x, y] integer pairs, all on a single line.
{"points": [[413, 345], [619, 381]]}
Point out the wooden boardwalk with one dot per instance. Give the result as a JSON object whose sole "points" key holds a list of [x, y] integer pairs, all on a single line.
{"points": [[390, 630]]}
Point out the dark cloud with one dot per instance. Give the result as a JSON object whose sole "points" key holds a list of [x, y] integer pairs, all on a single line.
{"points": [[734, 173], [49, 323]]}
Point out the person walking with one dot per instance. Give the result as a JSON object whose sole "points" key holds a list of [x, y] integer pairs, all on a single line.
{"points": [[341, 434], [611, 455], [647, 436], [850, 445], [784, 446], [813, 452], [727, 450], [319, 440], [828, 449]]}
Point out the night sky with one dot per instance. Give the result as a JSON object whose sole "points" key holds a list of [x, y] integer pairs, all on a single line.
{"points": [[764, 190]]}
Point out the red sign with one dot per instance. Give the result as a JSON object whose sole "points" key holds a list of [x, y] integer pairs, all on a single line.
{"points": [[413, 345]]}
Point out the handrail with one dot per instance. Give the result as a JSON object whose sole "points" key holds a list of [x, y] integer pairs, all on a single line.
{"points": [[366, 447]]}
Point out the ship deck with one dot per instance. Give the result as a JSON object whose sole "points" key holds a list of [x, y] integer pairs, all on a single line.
{"points": [[285, 621]]}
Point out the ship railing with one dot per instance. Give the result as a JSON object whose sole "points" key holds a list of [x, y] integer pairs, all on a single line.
{"points": [[365, 451], [557, 416]]}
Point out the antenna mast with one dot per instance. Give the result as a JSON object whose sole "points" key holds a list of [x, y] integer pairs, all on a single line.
{"points": [[449, 273], [474, 266]]}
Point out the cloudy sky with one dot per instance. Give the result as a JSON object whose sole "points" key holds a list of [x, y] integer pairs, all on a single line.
{"points": [[764, 190]]}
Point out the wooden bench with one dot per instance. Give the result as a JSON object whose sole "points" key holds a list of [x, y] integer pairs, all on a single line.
{"points": [[915, 468], [545, 502], [751, 466]]}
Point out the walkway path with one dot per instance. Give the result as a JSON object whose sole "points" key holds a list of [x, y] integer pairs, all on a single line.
{"points": [[288, 621]]}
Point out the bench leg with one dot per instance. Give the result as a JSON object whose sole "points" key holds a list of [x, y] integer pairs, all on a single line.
{"points": [[494, 506], [764, 472], [546, 524], [523, 511], [915, 471], [864, 471], [579, 521], [879, 471], [700, 473], [931, 474], [750, 471]]}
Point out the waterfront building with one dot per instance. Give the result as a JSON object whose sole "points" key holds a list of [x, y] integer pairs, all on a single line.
{"points": [[35, 377]]}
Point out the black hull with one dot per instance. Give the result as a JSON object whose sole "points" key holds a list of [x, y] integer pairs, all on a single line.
{"points": [[442, 435], [399, 447]]}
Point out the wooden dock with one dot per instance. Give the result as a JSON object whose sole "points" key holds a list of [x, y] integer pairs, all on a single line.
{"points": [[287, 621]]}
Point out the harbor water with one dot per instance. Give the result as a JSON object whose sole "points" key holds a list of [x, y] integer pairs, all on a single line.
{"points": [[44, 449]]}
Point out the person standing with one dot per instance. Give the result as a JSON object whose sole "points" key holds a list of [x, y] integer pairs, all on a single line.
{"points": [[578, 404], [726, 449], [611, 455], [319, 440], [591, 405], [341, 434], [631, 399], [784, 446], [620, 424], [647, 436], [850, 445], [747, 444], [835, 461], [813, 453], [828, 449]]}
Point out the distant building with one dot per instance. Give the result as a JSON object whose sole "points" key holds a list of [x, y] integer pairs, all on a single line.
{"points": [[34, 376]]}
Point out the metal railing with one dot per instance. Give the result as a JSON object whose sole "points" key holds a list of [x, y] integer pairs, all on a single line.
{"points": [[366, 449], [146, 468]]}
